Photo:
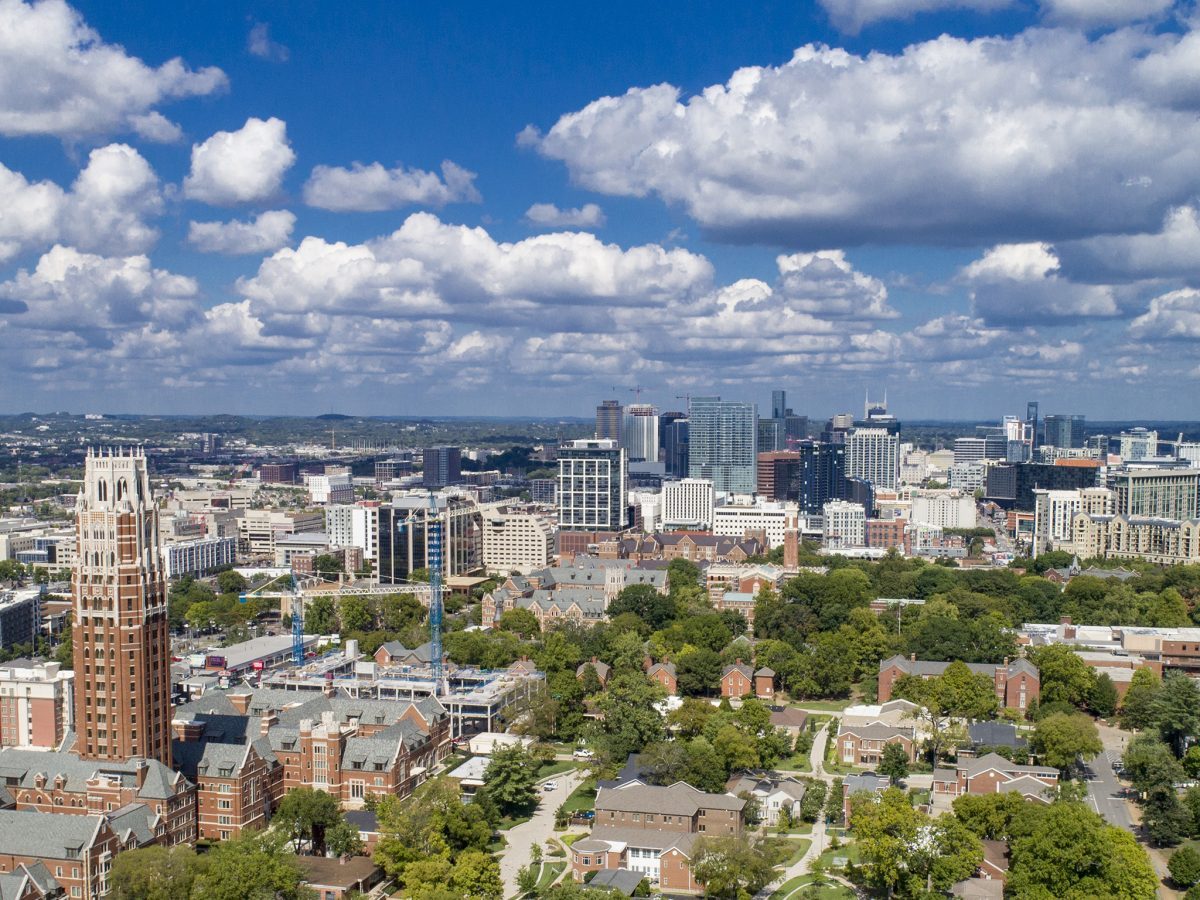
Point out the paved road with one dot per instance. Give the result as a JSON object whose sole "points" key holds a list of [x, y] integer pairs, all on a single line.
{"points": [[520, 837], [1105, 791]]}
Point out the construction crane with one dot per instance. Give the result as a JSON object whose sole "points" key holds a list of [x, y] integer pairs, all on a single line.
{"points": [[297, 597], [636, 390]]}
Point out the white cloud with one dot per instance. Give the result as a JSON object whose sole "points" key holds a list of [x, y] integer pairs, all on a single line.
{"points": [[825, 284], [260, 44], [58, 77], [154, 126], [95, 296], [1020, 283], [851, 15], [428, 267], [29, 212], [1099, 13], [370, 188], [1171, 252], [265, 232], [104, 211], [110, 200], [547, 215], [240, 166], [1173, 315], [1042, 136]]}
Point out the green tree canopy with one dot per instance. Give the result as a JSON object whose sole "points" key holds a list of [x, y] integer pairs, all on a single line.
{"points": [[1060, 739], [511, 780]]}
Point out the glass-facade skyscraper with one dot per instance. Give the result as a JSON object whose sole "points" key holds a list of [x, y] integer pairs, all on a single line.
{"points": [[723, 443]]}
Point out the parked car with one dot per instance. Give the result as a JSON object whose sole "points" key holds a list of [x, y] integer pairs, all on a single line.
{"points": [[550, 786], [583, 753]]}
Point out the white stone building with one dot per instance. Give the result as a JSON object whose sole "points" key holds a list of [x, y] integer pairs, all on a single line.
{"points": [[688, 504], [517, 542], [845, 525]]}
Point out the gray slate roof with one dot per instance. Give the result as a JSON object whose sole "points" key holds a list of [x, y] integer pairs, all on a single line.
{"points": [[46, 835], [931, 668], [25, 765]]}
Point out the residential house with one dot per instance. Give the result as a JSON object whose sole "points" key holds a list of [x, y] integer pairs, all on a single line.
{"points": [[868, 782], [651, 830], [992, 774], [771, 792], [664, 673], [740, 680], [333, 879], [862, 745], [602, 669]]}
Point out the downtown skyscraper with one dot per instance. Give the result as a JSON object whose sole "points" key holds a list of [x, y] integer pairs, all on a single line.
{"points": [[119, 604], [723, 443]]}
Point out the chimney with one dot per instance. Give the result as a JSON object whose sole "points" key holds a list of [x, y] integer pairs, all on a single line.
{"points": [[647, 662], [240, 702], [140, 768], [912, 657], [266, 723], [738, 661]]}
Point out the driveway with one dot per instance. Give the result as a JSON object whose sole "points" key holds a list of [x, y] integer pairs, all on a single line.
{"points": [[519, 838]]}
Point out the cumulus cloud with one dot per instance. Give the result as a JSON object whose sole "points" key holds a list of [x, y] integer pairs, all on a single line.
{"points": [[240, 166], [851, 15], [265, 232], [29, 212], [93, 296], [260, 44], [548, 215], [1020, 283], [1045, 135], [1171, 252], [110, 201], [427, 267], [825, 284], [58, 77], [368, 188], [105, 210], [1173, 315]]}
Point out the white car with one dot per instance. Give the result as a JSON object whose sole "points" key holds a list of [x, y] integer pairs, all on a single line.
{"points": [[583, 753], [550, 786]]}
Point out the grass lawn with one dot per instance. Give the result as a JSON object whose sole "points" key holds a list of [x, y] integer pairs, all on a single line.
{"points": [[815, 886], [848, 851], [582, 798], [569, 839], [554, 767], [797, 762], [507, 823], [802, 845], [550, 872], [498, 843], [816, 720], [797, 828]]}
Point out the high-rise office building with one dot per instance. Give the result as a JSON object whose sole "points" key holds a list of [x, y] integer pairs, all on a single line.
{"points": [[1031, 419], [403, 535], [779, 408], [639, 432], [675, 444], [592, 486], [811, 474], [608, 421], [441, 466], [723, 443], [837, 428], [119, 617], [771, 435], [1064, 431], [1138, 444], [873, 454]]}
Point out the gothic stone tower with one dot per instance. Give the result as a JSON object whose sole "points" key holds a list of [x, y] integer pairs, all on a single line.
{"points": [[119, 628]]}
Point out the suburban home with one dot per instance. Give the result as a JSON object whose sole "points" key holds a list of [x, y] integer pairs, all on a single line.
{"points": [[862, 745], [651, 830], [790, 719], [333, 879], [992, 774], [772, 792], [664, 673], [602, 669], [868, 782], [740, 680], [1017, 682]]}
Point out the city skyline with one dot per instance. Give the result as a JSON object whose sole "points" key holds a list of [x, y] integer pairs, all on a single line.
{"points": [[421, 218]]}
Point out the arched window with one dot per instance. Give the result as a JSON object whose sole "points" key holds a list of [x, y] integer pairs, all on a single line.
{"points": [[122, 488], [102, 490]]}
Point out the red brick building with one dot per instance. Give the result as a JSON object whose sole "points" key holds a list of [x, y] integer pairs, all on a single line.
{"points": [[1017, 683], [651, 830], [863, 745]]}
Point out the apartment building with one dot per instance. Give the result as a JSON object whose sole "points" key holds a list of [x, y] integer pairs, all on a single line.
{"points": [[517, 542], [198, 557], [845, 525], [951, 508], [334, 485], [652, 830], [259, 529], [36, 704], [687, 504], [768, 522], [1160, 541]]}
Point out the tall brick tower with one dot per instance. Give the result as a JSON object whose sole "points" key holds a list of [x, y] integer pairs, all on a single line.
{"points": [[119, 627]]}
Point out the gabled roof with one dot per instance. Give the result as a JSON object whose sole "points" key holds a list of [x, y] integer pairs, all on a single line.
{"points": [[990, 761], [46, 835], [680, 799], [877, 731], [668, 667], [736, 667], [602, 668]]}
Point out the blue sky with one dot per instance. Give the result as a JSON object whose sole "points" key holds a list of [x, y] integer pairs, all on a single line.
{"points": [[400, 209]]}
